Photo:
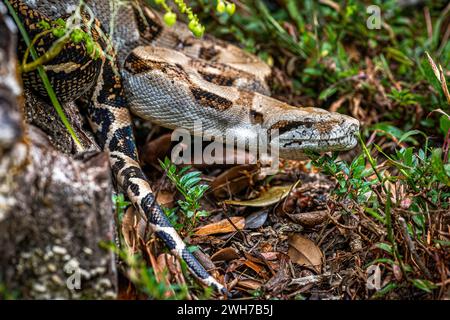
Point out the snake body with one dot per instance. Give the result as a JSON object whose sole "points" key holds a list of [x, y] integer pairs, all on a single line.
{"points": [[173, 79]]}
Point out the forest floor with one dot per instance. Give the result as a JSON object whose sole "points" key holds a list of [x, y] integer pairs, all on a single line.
{"points": [[370, 223]]}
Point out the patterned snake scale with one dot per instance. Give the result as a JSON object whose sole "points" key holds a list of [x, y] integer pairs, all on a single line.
{"points": [[171, 78]]}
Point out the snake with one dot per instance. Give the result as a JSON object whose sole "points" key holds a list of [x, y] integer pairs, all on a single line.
{"points": [[170, 77]]}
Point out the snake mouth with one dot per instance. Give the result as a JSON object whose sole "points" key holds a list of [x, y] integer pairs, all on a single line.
{"points": [[345, 139], [332, 144]]}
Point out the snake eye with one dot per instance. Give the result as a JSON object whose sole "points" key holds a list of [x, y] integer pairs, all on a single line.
{"points": [[256, 117]]}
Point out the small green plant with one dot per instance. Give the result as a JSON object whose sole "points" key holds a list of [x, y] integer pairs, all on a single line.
{"points": [[353, 179], [170, 17], [187, 183], [120, 205]]}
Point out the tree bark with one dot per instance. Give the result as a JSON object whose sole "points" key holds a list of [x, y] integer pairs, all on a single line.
{"points": [[54, 210]]}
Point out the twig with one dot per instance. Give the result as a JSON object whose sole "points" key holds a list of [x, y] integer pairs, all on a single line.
{"points": [[310, 279], [412, 248], [236, 228]]}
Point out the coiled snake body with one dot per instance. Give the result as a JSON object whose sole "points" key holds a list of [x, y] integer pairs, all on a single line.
{"points": [[173, 79]]}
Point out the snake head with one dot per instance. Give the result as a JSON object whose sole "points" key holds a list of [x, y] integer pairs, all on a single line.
{"points": [[315, 130]]}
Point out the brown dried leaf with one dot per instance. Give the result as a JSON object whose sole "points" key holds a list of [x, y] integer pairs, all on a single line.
{"points": [[444, 84], [270, 255], [156, 149], [129, 229], [258, 269], [332, 4], [233, 180], [170, 263], [249, 284], [266, 198], [162, 273], [165, 198], [309, 219], [281, 278], [223, 226], [256, 219], [204, 259], [225, 254], [338, 103], [305, 252], [433, 66]]}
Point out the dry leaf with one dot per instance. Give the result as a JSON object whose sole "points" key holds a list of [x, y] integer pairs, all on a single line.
{"points": [[256, 219], [225, 254], [444, 84], [270, 255], [249, 284], [332, 4], [162, 273], [305, 252], [258, 269], [266, 198], [433, 66], [439, 73], [129, 229], [233, 180], [156, 149], [204, 259], [165, 198], [223, 226], [309, 219]]}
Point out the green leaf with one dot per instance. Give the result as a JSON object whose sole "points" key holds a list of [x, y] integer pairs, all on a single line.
{"points": [[325, 94], [411, 133], [419, 220], [391, 130], [60, 22], [192, 249], [399, 56], [424, 285], [438, 167], [429, 74], [183, 170], [386, 289], [442, 243], [379, 260], [190, 179], [44, 25], [59, 32], [386, 247], [444, 124], [375, 215]]}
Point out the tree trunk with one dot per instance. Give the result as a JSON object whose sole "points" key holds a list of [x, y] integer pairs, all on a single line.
{"points": [[54, 210]]}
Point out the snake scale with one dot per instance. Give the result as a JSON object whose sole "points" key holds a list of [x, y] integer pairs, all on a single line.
{"points": [[173, 79]]}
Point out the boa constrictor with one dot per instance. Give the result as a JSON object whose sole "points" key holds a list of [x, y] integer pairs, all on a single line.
{"points": [[168, 76]]}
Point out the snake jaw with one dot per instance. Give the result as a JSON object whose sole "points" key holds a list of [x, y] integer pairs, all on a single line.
{"points": [[321, 133]]}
